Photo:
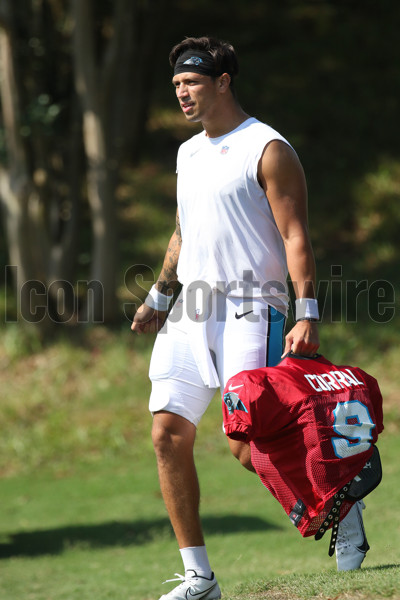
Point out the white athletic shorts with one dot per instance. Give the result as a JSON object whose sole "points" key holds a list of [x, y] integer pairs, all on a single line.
{"points": [[204, 342]]}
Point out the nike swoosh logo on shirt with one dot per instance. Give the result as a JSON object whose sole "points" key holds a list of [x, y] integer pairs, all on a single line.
{"points": [[242, 315], [234, 387]]}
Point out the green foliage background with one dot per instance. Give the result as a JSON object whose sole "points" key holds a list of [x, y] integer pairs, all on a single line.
{"points": [[323, 73], [81, 512]]}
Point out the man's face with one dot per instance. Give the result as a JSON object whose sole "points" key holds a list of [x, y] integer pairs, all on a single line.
{"points": [[197, 95]]}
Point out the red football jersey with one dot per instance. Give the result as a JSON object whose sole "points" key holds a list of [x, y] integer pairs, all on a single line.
{"points": [[311, 426]]}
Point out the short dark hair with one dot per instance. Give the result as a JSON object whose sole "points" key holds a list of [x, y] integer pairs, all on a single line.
{"points": [[223, 53]]}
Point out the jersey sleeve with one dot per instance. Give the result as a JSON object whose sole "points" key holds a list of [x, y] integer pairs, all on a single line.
{"points": [[236, 409], [248, 405]]}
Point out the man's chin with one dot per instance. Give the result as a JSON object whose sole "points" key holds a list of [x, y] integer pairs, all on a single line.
{"points": [[192, 118]]}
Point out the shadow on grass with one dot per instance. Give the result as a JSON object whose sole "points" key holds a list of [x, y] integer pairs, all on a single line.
{"points": [[382, 567], [116, 533]]}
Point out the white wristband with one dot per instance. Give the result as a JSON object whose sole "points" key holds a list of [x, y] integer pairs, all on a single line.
{"points": [[157, 300], [307, 308]]}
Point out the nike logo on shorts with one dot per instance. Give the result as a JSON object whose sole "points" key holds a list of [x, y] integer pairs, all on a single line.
{"points": [[242, 315]]}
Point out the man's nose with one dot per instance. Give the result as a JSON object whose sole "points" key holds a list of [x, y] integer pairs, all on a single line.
{"points": [[182, 91]]}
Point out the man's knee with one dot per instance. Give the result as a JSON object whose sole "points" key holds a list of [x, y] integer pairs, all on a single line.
{"points": [[170, 431]]}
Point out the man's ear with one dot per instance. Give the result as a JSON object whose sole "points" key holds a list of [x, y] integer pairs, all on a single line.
{"points": [[224, 82]]}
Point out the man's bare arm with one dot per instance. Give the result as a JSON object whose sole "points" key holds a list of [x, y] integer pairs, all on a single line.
{"points": [[168, 279], [147, 319], [282, 178]]}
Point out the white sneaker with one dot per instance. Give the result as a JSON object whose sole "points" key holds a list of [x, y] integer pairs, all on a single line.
{"points": [[193, 586], [351, 544]]}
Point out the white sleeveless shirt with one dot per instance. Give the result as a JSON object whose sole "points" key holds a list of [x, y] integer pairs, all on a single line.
{"points": [[230, 240]]}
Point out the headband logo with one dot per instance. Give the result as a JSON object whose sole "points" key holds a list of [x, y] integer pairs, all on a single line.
{"points": [[193, 60]]}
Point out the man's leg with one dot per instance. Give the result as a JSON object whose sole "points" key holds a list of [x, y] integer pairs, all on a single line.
{"points": [[178, 400], [250, 343], [173, 440]]}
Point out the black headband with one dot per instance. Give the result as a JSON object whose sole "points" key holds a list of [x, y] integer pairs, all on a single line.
{"points": [[196, 61]]}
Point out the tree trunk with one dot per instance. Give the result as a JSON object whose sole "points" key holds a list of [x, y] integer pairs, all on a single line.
{"points": [[19, 200], [112, 67], [138, 26], [101, 182]]}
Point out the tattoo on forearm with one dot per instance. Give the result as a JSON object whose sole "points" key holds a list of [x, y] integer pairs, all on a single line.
{"points": [[168, 279], [178, 228]]}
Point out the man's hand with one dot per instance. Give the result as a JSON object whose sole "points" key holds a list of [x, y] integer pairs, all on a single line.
{"points": [[302, 339], [148, 320]]}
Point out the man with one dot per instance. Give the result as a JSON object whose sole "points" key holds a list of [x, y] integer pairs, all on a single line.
{"points": [[309, 428], [241, 226]]}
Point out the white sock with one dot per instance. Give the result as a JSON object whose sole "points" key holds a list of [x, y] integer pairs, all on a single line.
{"points": [[195, 558]]}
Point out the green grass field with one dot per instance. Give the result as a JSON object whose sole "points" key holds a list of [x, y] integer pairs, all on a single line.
{"points": [[82, 516]]}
